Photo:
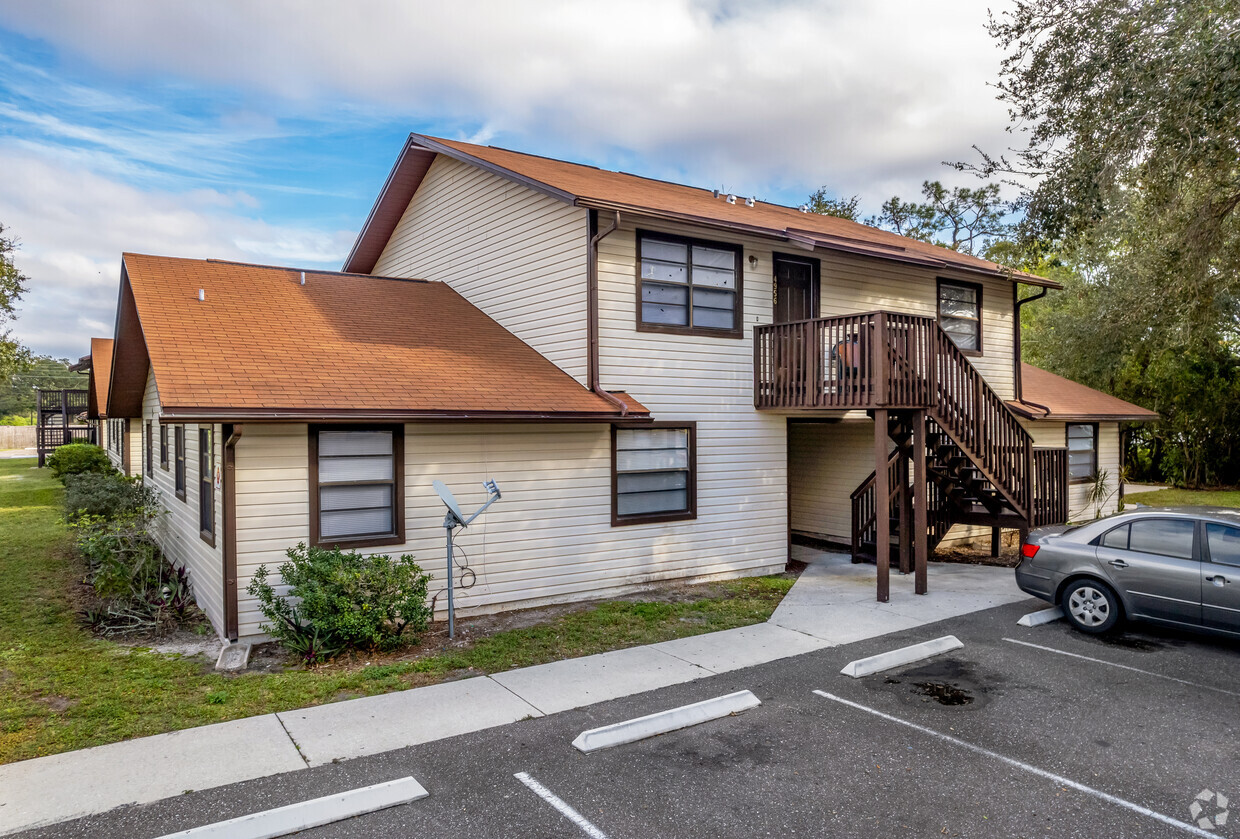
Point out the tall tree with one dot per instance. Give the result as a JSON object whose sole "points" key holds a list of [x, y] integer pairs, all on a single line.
{"points": [[13, 356]]}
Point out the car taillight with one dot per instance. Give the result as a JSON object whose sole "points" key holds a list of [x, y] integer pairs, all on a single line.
{"points": [[1029, 551]]}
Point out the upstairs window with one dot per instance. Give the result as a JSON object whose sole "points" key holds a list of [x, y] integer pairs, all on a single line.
{"points": [[357, 483], [178, 437], [163, 447], [688, 286], [1082, 452], [206, 494], [653, 474], [960, 314], [149, 441]]}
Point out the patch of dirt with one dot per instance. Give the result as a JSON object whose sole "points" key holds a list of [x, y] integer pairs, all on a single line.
{"points": [[56, 704], [979, 554]]}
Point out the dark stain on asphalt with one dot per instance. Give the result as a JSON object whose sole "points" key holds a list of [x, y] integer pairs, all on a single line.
{"points": [[1131, 642], [944, 694], [948, 682]]}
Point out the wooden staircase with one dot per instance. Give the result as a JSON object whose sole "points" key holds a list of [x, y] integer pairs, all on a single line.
{"points": [[979, 462]]}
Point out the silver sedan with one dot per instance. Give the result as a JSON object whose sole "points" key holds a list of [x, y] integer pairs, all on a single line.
{"points": [[1178, 567]]}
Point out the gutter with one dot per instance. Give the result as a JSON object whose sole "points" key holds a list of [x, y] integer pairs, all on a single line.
{"points": [[592, 328], [231, 627], [1018, 302]]}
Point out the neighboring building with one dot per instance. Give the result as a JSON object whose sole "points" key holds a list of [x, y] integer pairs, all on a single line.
{"points": [[494, 307]]}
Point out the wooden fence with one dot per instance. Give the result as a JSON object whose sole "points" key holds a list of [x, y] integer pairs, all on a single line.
{"points": [[17, 437]]}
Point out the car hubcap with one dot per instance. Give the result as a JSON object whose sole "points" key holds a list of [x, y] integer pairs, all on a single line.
{"points": [[1089, 606]]}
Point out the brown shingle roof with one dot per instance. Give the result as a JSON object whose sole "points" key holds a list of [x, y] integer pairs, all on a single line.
{"points": [[100, 375], [1069, 400], [340, 345], [592, 187]]}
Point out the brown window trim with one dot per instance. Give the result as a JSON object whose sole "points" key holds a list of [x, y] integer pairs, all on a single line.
{"points": [[680, 515], [206, 484], [737, 331], [148, 450], [1094, 470], [179, 482], [938, 312], [398, 487], [163, 447]]}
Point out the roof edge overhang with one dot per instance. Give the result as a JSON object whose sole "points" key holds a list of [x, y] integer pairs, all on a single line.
{"points": [[1031, 413], [279, 415], [809, 242], [130, 361]]}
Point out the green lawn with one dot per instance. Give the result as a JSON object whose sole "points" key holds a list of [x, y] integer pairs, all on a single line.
{"points": [[1187, 498], [61, 688]]}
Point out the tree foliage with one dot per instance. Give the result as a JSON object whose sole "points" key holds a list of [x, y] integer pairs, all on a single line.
{"points": [[1129, 112], [13, 356], [822, 203]]}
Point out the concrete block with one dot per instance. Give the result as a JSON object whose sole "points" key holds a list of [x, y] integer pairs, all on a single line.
{"points": [[900, 657], [52, 789], [304, 815], [562, 685], [233, 657], [1040, 617], [662, 722], [377, 724]]}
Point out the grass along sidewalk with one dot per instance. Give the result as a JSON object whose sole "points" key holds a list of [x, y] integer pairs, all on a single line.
{"points": [[61, 688]]}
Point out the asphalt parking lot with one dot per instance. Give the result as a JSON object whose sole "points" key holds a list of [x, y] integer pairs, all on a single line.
{"points": [[1023, 732]]}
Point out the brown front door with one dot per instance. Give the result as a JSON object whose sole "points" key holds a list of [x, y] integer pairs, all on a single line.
{"points": [[796, 289]]}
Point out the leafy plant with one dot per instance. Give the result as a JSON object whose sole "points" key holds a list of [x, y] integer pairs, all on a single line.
{"points": [[1100, 492], [77, 458], [337, 600], [107, 494]]}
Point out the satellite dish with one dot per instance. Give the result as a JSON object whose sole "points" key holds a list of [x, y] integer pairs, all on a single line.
{"points": [[445, 495]]}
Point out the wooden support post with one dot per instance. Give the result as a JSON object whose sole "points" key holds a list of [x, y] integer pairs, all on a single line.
{"points": [[921, 504], [882, 509], [906, 515], [996, 536]]}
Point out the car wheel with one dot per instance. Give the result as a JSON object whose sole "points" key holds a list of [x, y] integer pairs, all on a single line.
{"points": [[1090, 606]]}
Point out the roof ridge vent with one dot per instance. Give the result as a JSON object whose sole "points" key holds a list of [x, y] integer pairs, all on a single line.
{"points": [[303, 277], [804, 208], [714, 193], [202, 294], [749, 202], [731, 199]]}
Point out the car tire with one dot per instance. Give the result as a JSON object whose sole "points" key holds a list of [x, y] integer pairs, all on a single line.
{"points": [[1090, 606]]}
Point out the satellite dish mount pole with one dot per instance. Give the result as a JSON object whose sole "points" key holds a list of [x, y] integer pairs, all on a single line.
{"points": [[453, 519]]}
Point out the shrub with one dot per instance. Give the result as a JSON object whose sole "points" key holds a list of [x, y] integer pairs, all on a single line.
{"points": [[105, 494], [339, 600], [77, 458]]}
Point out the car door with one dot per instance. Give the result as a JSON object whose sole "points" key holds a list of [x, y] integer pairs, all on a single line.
{"points": [[1220, 577], [1155, 564]]}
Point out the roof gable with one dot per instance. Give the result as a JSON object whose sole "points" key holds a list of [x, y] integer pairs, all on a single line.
{"points": [[589, 186], [1046, 396]]}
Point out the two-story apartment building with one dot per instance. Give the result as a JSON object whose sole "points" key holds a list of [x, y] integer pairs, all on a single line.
{"points": [[666, 382]]}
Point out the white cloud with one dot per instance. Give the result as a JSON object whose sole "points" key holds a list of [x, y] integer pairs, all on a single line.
{"points": [[865, 97], [73, 225]]}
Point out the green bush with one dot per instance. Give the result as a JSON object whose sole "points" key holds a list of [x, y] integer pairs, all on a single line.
{"points": [[78, 458], [338, 600], [107, 494]]}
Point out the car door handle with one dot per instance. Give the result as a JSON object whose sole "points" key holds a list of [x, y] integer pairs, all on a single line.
{"points": [[1118, 563], [1217, 579]]}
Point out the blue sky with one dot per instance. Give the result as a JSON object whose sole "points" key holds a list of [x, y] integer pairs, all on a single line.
{"points": [[263, 131]]}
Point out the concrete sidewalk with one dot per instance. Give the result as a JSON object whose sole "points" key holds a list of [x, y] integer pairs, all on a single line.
{"points": [[831, 604]]}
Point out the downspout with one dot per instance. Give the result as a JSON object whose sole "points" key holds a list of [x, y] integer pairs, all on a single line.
{"points": [[596, 236], [231, 620], [1019, 302]]}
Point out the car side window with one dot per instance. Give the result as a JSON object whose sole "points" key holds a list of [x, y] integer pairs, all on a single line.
{"points": [[1165, 537], [1117, 538], [1224, 543]]}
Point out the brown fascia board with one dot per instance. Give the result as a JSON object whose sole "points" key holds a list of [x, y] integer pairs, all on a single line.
{"points": [[1035, 415], [277, 415], [130, 362]]}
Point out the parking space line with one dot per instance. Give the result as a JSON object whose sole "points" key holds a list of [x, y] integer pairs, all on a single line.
{"points": [[1120, 666], [565, 810], [1041, 773]]}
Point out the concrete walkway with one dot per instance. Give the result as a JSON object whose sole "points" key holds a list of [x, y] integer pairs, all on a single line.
{"points": [[1137, 489], [831, 604]]}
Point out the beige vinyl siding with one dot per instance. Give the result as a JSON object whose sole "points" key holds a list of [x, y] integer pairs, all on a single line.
{"points": [[853, 284], [132, 465], [177, 531], [742, 454], [549, 539], [517, 254], [827, 461], [1047, 433]]}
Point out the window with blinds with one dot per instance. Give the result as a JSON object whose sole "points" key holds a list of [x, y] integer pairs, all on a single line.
{"points": [[1082, 452], [358, 486], [654, 474], [960, 314], [688, 286], [206, 486]]}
